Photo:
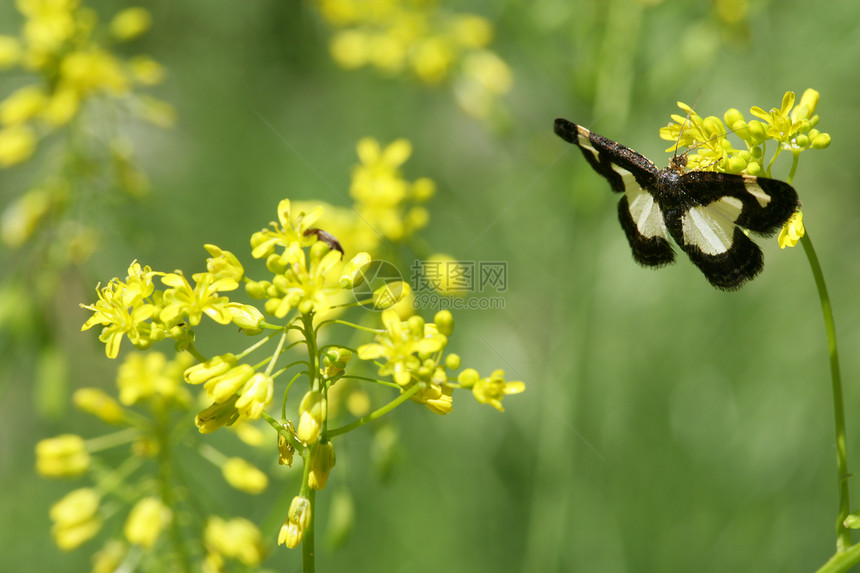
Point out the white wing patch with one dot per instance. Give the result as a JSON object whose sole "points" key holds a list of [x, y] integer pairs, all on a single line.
{"points": [[712, 227], [645, 212], [754, 189]]}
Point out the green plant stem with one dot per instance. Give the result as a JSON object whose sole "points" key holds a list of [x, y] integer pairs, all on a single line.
{"points": [[165, 485], [843, 534], [375, 414], [842, 561], [308, 537]]}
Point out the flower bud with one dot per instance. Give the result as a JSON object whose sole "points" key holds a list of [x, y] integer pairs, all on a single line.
{"points": [[217, 415], [322, 461], [821, 141], [246, 317], [63, 456], [468, 377], [298, 519], [215, 366], [243, 476], [145, 521], [223, 387], [255, 396], [75, 518], [97, 402], [312, 414], [390, 294], [444, 321], [353, 272]]}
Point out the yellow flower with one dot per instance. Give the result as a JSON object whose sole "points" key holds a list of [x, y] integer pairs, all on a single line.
{"points": [[97, 402], [184, 302], [792, 231], [147, 71], [130, 23], [17, 145], [298, 519], [145, 522], [10, 52], [61, 107], [92, 71], [143, 377], [350, 49], [215, 366], [437, 398], [222, 388], [121, 308], [22, 105], [75, 518], [217, 415], [237, 539], [322, 461], [63, 456], [243, 476], [312, 413], [22, 217], [255, 396], [49, 23], [223, 264], [110, 557], [402, 346], [492, 389]]}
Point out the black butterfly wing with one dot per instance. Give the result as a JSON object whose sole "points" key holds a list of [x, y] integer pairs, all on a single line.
{"points": [[633, 174], [718, 206]]}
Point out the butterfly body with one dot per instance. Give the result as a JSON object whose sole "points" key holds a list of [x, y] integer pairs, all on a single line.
{"points": [[704, 212]]}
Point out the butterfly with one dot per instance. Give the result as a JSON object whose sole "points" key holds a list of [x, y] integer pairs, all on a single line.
{"points": [[704, 212]]}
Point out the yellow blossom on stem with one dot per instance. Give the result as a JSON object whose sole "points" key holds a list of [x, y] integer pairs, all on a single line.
{"points": [[130, 23], [75, 518], [312, 413], [298, 519], [122, 310], [17, 144], [63, 456], [223, 264], [110, 557], [143, 377], [322, 460], [217, 415], [492, 389], [97, 402], [243, 476], [215, 366], [437, 398], [236, 539], [184, 302], [255, 396], [792, 231], [145, 522], [402, 348]]}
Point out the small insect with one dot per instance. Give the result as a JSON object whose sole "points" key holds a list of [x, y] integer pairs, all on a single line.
{"points": [[326, 238], [705, 212]]}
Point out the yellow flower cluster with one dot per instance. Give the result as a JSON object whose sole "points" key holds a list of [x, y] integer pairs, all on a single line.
{"points": [[58, 45], [387, 207], [791, 126], [420, 38], [413, 357]]}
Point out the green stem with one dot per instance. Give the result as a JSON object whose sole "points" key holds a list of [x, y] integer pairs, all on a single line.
{"points": [[842, 561], [843, 534], [165, 485], [308, 537], [374, 415]]}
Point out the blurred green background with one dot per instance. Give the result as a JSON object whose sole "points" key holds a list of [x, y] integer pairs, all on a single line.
{"points": [[666, 426]]}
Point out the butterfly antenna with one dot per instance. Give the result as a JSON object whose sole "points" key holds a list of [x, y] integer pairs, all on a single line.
{"points": [[683, 125]]}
